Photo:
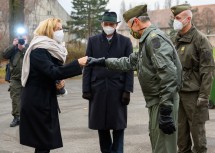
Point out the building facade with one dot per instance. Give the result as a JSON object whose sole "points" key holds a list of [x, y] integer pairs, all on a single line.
{"points": [[35, 11]]}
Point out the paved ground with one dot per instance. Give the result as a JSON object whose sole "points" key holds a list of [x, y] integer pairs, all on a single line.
{"points": [[77, 138]]}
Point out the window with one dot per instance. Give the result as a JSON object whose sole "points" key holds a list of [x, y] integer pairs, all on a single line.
{"points": [[49, 12]]}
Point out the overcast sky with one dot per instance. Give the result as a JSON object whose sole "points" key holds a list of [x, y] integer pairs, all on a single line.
{"points": [[115, 5]]}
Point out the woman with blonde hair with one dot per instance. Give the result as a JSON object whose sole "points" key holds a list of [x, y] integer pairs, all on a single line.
{"points": [[42, 66]]}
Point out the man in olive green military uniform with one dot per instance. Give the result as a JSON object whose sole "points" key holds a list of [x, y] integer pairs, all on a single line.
{"points": [[159, 73], [15, 54], [195, 53]]}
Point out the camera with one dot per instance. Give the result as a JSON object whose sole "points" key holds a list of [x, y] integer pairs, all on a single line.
{"points": [[21, 41]]}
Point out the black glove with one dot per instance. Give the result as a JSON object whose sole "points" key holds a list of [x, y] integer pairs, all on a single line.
{"points": [[96, 61], [125, 98], [87, 95], [166, 123]]}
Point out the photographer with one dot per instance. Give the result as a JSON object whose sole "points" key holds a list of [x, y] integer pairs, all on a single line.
{"points": [[15, 53]]}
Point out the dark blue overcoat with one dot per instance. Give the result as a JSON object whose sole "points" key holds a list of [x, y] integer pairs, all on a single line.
{"points": [[105, 109]]}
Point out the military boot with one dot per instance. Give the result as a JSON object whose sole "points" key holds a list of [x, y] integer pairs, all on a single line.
{"points": [[15, 121]]}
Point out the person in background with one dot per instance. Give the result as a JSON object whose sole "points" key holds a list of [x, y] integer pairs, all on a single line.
{"points": [[159, 73], [196, 56], [42, 66], [15, 53], [108, 92]]}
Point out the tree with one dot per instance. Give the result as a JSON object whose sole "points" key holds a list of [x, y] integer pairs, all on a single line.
{"points": [[196, 18], [130, 6], [84, 22], [16, 16], [168, 4], [204, 20], [208, 19], [122, 10], [4, 33], [177, 2], [157, 6]]}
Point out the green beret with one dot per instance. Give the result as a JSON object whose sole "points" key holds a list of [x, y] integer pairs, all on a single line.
{"points": [[180, 8], [137, 11]]}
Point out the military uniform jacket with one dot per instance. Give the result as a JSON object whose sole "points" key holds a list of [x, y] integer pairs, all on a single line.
{"points": [[196, 56], [16, 58], [157, 64], [105, 109]]}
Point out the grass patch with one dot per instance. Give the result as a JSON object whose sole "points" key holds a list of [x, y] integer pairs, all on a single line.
{"points": [[214, 53], [2, 72]]}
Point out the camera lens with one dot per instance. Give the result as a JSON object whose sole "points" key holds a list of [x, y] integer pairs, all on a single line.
{"points": [[21, 41]]}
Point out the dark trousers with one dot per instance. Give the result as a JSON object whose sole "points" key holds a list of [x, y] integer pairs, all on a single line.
{"points": [[112, 144], [41, 151]]}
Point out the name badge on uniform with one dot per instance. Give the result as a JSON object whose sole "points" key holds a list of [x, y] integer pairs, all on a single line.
{"points": [[182, 50]]}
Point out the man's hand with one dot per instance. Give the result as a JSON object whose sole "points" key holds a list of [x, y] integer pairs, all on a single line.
{"points": [[15, 41], [96, 61], [166, 123], [202, 102], [87, 95], [125, 98]]}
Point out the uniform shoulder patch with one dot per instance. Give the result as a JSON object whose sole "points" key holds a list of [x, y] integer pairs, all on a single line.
{"points": [[156, 43], [207, 55]]}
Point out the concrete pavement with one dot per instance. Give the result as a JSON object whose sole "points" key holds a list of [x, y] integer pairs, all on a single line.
{"points": [[77, 138]]}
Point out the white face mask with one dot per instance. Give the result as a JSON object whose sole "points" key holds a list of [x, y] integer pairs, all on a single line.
{"points": [[108, 30], [177, 25], [58, 36]]}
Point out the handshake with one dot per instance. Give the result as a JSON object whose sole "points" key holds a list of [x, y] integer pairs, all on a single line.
{"points": [[90, 61], [95, 61]]}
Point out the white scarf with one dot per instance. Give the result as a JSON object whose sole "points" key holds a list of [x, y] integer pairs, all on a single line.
{"points": [[56, 50]]}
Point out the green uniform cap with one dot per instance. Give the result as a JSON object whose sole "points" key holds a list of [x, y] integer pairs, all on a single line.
{"points": [[180, 8], [137, 11]]}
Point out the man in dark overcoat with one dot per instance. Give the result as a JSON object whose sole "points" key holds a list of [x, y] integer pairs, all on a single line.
{"points": [[108, 92]]}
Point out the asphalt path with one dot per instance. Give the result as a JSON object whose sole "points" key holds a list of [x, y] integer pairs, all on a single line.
{"points": [[77, 138]]}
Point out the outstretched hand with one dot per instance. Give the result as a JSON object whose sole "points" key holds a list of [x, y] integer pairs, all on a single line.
{"points": [[83, 61], [96, 61]]}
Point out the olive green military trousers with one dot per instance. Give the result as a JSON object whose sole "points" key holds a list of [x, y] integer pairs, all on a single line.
{"points": [[160, 142], [15, 95], [191, 123]]}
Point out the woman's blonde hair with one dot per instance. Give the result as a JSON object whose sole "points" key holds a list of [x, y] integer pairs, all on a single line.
{"points": [[47, 27]]}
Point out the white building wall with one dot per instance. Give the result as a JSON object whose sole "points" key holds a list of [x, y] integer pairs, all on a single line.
{"points": [[41, 10]]}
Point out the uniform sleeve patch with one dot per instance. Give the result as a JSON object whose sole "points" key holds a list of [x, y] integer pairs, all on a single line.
{"points": [[207, 55], [156, 43]]}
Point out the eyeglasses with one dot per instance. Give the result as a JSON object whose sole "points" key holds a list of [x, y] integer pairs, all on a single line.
{"points": [[132, 24]]}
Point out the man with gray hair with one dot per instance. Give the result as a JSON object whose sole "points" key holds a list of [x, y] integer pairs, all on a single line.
{"points": [[159, 72], [195, 53], [108, 92]]}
